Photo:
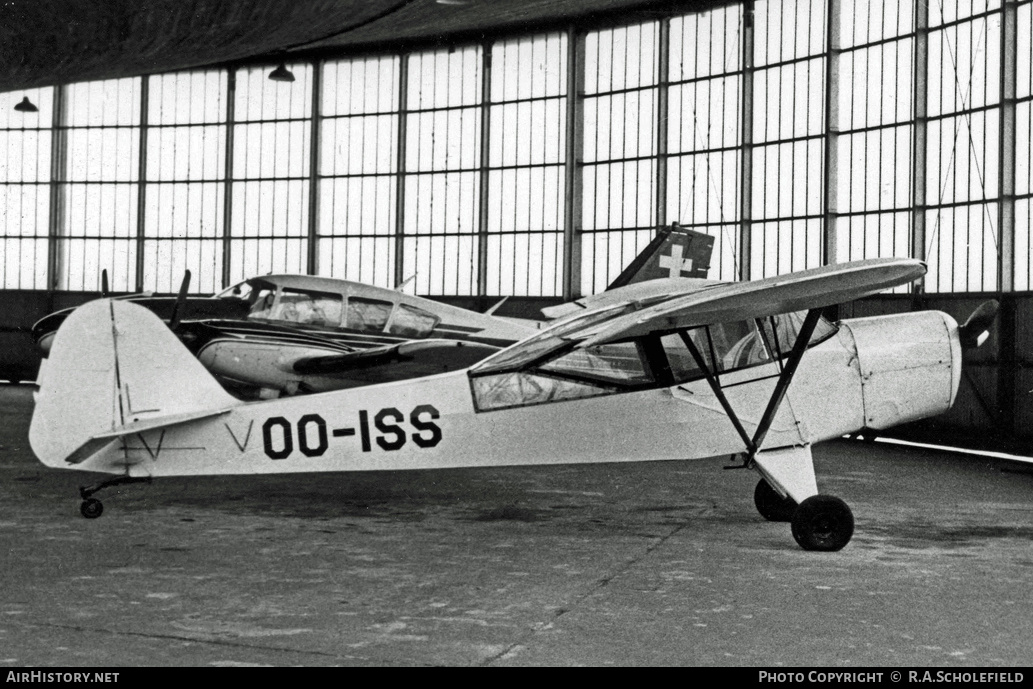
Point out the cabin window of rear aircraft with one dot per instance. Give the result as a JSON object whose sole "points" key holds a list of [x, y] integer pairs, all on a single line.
{"points": [[291, 305]]}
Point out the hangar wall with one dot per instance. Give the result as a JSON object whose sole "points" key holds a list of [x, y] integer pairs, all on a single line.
{"points": [[798, 133]]}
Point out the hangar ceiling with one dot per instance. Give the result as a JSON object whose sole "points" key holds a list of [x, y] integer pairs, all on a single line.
{"points": [[50, 42]]}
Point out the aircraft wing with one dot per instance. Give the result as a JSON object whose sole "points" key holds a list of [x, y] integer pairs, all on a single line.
{"points": [[805, 290], [647, 291], [402, 361]]}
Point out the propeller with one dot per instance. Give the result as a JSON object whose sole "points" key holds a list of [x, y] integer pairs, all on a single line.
{"points": [[104, 291], [177, 310], [976, 329]]}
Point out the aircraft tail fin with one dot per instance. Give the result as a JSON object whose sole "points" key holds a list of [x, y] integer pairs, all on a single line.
{"points": [[115, 369], [674, 252]]}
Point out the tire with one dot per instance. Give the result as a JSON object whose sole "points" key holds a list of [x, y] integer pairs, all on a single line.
{"points": [[771, 505], [91, 508], [822, 522]]}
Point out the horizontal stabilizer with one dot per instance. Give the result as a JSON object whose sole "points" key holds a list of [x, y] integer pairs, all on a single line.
{"points": [[97, 442]]}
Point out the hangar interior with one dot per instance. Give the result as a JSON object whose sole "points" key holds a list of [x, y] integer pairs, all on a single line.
{"points": [[531, 150]]}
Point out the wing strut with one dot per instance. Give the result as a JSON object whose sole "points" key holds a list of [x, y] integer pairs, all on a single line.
{"points": [[785, 377]]}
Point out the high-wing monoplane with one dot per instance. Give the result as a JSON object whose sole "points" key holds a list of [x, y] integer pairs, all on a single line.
{"points": [[747, 369], [289, 334]]}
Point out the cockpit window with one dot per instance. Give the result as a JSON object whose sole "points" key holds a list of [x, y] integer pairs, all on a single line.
{"points": [[410, 321], [306, 307], [554, 338], [570, 372], [241, 290], [551, 368], [370, 315], [619, 363], [739, 344], [262, 299], [523, 388]]}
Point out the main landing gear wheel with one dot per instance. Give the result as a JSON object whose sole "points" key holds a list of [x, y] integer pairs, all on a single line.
{"points": [[91, 508], [822, 522], [771, 505]]}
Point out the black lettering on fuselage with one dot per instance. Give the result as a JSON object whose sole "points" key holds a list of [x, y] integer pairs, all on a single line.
{"points": [[304, 438], [433, 436], [267, 438], [389, 429]]}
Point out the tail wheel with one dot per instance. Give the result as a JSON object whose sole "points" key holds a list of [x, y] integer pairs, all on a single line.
{"points": [[771, 505], [91, 508], [822, 522]]}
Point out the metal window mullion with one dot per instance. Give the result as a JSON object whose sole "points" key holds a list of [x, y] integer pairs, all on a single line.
{"points": [[227, 205], [482, 211], [1006, 206], [830, 248], [662, 118], [141, 197], [403, 104], [746, 197], [573, 178], [312, 254], [56, 248], [920, 101]]}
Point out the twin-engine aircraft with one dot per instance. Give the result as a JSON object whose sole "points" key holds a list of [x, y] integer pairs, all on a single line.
{"points": [[288, 334], [685, 376]]}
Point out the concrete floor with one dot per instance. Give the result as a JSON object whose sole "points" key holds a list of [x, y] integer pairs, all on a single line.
{"points": [[662, 563]]}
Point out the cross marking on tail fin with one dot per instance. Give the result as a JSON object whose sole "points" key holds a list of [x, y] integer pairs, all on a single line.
{"points": [[675, 262]]}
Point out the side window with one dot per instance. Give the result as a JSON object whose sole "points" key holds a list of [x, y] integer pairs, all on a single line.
{"points": [[521, 388], [619, 363], [683, 364], [781, 331], [410, 321], [308, 308], [370, 315], [735, 345], [262, 303], [738, 344]]}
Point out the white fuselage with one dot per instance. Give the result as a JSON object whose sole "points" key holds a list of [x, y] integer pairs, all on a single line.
{"points": [[872, 373]]}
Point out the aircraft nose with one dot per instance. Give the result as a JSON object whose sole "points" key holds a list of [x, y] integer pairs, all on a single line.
{"points": [[910, 365]]}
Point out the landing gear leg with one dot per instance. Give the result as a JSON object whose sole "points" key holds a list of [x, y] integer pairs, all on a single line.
{"points": [[91, 508]]}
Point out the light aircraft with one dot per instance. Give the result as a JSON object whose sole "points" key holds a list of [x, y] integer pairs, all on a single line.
{"points": [[290, 334], [696, 375]]}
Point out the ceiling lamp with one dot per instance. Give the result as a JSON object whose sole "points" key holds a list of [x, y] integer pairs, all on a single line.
{"points": [[281, 73], [26, 106]]}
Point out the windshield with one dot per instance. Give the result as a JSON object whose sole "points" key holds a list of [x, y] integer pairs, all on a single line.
{"points": [[538, 346]]}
